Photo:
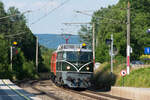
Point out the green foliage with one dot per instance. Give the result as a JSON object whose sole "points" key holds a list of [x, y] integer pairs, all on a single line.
{"points": [[29, 70], [112, 20], [3, 55], [86, 35], [14, 28], [102, 78], [137, 78], [46, 55]]}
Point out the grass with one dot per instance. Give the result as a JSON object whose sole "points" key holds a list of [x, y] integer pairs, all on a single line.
{"points": [[137, 78]]}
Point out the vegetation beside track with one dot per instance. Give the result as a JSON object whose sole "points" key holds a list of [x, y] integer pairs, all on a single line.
{"points": [[137, 77], [13, 28], [46, 55]]}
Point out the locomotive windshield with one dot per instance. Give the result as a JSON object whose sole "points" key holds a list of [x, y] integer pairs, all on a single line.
{"points": [[79, 56]]}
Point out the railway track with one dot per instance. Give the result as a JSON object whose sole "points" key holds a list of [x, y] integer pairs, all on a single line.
{"points": [[86, 93], [95, 95], [47, 93], [107, 95]]}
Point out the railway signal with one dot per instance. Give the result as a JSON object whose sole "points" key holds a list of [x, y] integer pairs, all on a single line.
{"points": [[15, 43], [13, 51], [14, 48], [110, 42]]}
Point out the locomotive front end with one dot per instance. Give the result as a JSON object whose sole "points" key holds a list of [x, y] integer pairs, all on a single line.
{"points": [[74, 66], [79, 69]]}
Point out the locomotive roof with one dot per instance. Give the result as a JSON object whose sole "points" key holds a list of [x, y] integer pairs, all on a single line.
{"points": [[72, 47]]}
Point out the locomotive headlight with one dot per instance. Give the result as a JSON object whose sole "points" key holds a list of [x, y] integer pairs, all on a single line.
{"points": [[87, 68], [68, 67]]}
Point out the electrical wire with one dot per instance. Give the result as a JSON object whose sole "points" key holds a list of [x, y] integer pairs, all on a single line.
{"points": [[39, 9], [50, 12], [14, 35], [28, 11], [99, 17]]}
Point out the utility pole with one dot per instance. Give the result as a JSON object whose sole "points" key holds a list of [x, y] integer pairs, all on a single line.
{"points": [[36, 54], [11, 58], [93, 24], [128, 38], [112, 54]]}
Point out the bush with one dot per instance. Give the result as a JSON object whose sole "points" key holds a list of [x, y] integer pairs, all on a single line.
{"points": [[102, 78]]}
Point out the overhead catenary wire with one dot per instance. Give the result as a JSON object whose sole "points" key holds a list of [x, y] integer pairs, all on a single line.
{"points": [[11, 35], [99, 17], [6, 36], [28, 11], [50, 12], [42, 7]]}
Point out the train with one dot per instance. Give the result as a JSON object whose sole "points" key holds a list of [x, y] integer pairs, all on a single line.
{"points": [[72, 66]]}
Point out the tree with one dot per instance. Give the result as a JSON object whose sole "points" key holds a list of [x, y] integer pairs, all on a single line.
{"points": [[85, 34], [112, 20], [14, 28]]}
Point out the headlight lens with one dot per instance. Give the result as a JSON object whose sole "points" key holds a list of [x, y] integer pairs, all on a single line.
{"points": [[87, 68], [68, 67]]}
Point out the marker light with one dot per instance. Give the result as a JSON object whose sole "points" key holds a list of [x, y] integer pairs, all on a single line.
{"points": [[87, 68], [83, 44], [68, 67]]}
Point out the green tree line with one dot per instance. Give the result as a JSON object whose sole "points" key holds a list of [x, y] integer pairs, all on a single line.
{"points": [[12, 29], [113, 20]]}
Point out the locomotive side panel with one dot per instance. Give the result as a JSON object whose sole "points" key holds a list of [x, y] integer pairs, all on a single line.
{"points": [[53, 63]]}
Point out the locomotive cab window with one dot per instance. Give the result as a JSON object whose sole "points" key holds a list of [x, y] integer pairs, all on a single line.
{"points": [[85, 56], [64, 55], [60, 56], [79, 56]]}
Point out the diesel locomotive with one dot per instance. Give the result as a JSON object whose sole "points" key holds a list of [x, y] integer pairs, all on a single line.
{"points": [[72, 66]]}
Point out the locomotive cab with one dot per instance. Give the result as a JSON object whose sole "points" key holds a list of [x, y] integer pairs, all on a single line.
{"points": [[74, 66]]}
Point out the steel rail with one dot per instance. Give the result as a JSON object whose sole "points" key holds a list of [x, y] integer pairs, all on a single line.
{"points": [[107, 95], [44, 92]]}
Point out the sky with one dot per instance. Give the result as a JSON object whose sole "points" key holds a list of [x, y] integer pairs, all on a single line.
{"points": [[48, 16]]}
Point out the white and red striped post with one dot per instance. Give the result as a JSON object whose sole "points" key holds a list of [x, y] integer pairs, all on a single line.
{"points": [[128, 38], [128, 59]]}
